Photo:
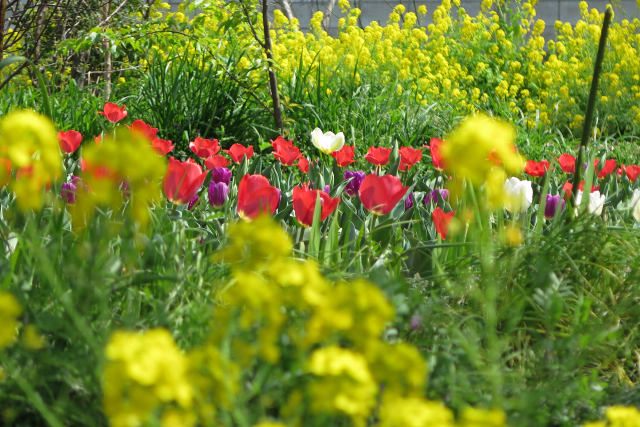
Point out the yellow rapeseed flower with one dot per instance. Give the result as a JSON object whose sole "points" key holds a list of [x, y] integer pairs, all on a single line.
{"points": [[478, 145], [143, 371], [400, 411], [122, 167], [342, 384], [10, 310], [30, 142]]}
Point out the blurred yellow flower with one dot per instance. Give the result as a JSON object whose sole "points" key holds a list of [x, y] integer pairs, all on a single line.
{"points": [[479, 144], [10, 310], [30, 142]]}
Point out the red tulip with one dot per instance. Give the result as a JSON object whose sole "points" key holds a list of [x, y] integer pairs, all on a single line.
{"points": [[304, 204], [534, 168], [69, 140], [204, 148], [145, 129], [378, 156], [216, 161], [285, 151], [380, 194], [409, 157], [182, 181], [256, 195], [303, 164], [568, 187], [567, 163], [113, 113], [162, 146], [345, 156], [632, 172], [5, 171], [238, 151], [436, 157], [609, 167], [96, 171], [441, 220]]}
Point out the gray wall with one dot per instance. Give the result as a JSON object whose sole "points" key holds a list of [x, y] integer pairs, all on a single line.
{"points": [[378, 10]]}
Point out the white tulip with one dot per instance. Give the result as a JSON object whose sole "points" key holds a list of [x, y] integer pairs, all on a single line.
{"points": [[596, 202], [519, 195], [635, 205], [327, 142]]}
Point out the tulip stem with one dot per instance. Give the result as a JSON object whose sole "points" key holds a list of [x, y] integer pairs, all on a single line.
{"points": [[586, 127], [300, 236]]}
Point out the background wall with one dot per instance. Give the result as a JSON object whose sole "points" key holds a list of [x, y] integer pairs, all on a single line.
{"points": [[378, 10]]}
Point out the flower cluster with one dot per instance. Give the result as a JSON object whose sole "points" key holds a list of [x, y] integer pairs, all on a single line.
{"points": [[481, 152], [28, 142], [122, 168], [280, 313], [143, 372]]}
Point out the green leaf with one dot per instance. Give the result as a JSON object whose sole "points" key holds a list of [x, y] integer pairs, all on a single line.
{"points": [[332, 251], [46, 103], [314, 238]]}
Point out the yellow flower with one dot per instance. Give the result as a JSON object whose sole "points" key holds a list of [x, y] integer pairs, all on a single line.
{"points": [[513, 236], [414, 412], [10, 310], [623, 416], [477, 145], [125, 160], [144, 371], [32, 338], [475, 417], [343, 383], [29, 140]]}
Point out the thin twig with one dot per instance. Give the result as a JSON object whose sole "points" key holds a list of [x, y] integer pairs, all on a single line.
{"points": [[101, 24]]}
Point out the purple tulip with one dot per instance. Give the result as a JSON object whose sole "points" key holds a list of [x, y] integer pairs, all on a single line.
{"points": [[432, 196], [218, 193], [408, 202], [552, 205], [126, 189], [68, 191], [354, 185], [416, 322], [221, 175], [327, 189], [193, 202]]}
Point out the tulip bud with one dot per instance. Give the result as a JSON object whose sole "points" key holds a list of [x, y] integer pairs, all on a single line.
{"points": [[218, 192]]}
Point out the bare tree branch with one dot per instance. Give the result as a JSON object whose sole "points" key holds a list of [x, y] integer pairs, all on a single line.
{"points": [[273, 81], [326, 22], [286, 6], [251, 27], [106, 20]]}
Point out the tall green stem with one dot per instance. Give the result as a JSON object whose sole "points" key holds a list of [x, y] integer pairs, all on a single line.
{"points": [[586, 128]]}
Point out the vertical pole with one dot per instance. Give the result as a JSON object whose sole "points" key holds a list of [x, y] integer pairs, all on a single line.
{"points": [[588, 117], [273, 82]]}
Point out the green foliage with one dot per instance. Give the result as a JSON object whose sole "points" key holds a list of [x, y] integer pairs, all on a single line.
{"points": [[197, 93], [75, 289]]}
